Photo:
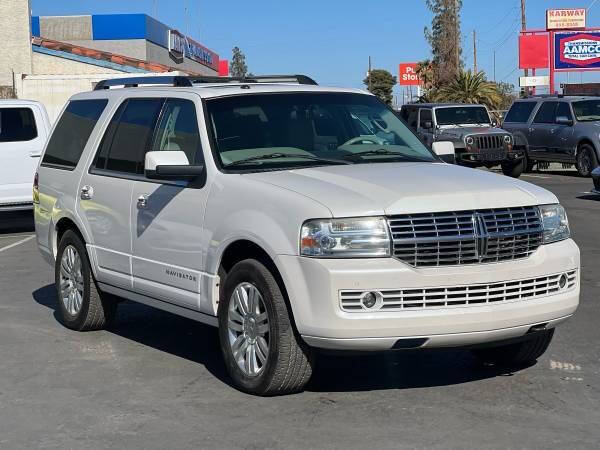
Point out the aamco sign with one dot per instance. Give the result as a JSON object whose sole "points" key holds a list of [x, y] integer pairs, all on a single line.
{"points": [[407, 75], [577, 51]]}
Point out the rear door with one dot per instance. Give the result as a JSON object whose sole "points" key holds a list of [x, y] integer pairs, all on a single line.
{"points": [[541, 135], [21, 144], [105, 191], [517, 122]]}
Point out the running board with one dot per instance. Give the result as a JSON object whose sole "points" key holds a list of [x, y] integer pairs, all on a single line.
{"points": [[159, 304]]}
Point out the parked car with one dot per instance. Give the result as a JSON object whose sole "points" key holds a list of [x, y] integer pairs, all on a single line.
{"points": [[596, 179], [24, 128], [267, 210], [477, 140], [557, 129]]}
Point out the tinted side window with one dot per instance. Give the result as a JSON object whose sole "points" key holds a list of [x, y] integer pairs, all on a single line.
{"points": [[564, 110], [178, 130], [425, 117], [133, 135], [17, 125], [520, 112], [72, 132], [546, 113]]}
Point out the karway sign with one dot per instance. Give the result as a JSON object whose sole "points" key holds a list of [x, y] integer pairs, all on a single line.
{"points": [[565, 19], [407, 75], [577, 50]]}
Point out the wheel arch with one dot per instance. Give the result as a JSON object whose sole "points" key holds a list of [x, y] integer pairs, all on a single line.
{"points": [[64, 224], [584, 141]]}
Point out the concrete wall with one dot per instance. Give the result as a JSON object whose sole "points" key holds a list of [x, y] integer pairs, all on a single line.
{"points": [[15, 36], [52, 65]]}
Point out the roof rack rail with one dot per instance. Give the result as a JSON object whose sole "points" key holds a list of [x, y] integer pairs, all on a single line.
{"points": [[176, 81], [300, 79], [189, 81]]}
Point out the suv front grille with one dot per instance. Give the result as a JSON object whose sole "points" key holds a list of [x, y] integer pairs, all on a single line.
{"points": [[465, 295], [489, 142], [466, 237]]}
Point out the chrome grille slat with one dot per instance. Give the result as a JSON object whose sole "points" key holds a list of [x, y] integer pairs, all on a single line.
{"points": [[450, 238], [462, 296]]}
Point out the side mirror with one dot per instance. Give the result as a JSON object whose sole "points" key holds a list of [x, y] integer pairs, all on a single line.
{"points": [[564, 120], [171, 165], [445, 150]]}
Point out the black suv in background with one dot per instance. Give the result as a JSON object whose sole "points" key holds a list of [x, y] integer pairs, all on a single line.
{"points": [[557, 129]]}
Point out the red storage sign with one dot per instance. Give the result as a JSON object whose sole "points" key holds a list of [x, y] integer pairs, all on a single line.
{"points": [[407, 75]]}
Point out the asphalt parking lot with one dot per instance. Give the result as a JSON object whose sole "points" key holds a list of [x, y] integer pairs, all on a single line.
{"points": [[157, 380]]}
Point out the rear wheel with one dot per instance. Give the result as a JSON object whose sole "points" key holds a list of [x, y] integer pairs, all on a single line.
{"points": [[518, 354], [81, 305], [586, 160], [261, 349]]}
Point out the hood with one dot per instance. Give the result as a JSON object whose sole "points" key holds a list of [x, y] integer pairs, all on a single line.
{"points": [[403, 188], [465, 130]]}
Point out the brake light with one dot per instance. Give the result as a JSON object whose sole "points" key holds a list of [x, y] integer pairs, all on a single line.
{"points": [[36, 189]]}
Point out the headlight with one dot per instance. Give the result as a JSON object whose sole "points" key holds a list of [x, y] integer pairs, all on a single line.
{"points": [[554, 223], [469, 140], [507, 139], [357, 237]]}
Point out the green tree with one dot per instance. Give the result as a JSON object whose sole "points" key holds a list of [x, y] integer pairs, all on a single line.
{"points": [[467, 87], [238, 67], [381, 84], [445, 39]]}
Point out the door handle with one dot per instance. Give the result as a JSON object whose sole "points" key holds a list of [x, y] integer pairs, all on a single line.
{"points": [[142, 201], [87, 192]]}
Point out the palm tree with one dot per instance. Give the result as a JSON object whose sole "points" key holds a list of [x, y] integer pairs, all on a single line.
{"points": [[467, 87]]}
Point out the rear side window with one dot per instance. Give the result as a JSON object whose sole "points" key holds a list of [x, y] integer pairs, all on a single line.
{"points": [[17, 125], [72, 133], [546, 113], [129, 136], [520, 112]]}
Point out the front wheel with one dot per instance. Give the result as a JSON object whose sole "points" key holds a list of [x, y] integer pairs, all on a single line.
{"points": [[518, 354], [514, 169], [261, 349], [586, 160]]}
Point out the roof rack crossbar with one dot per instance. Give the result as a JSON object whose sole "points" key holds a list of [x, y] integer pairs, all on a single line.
{"points": [[189, 81], [176, 81]]}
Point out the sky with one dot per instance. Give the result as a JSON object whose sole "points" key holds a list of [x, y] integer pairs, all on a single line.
{"points": [[331, 40]]}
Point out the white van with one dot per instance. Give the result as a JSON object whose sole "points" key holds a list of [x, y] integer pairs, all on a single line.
{"points": [[24, 128]]}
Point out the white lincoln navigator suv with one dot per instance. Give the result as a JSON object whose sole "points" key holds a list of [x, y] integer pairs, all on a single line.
{"points": [[293, 217]]}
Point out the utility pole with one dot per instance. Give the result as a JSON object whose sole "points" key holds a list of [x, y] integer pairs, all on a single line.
{"points": [[494, 66], [524, 26], [474, 51], [369, 75], [456, 36]]}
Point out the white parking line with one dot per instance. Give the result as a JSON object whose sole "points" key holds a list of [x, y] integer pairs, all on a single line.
{"points": [[22, 241], [534, 176]]}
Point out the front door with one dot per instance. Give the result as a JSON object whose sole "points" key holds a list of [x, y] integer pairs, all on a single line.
{"points": [[563, 149], [21, 144], [540, 136], [167, 217]]}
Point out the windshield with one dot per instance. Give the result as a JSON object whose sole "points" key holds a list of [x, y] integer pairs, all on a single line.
{"points": [[461, 115], [280, 131], [587, 110]]}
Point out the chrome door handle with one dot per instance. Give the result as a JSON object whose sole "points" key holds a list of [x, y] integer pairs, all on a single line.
{"points": [[142, 201], [87, 192]]}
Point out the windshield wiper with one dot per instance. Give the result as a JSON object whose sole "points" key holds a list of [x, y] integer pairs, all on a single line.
{"points": [[285, 155], [379, 152]]}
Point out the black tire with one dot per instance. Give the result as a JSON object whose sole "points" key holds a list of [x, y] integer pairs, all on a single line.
{"points": [[289, 361], [529, 163], [519, 354], [514, 169], [98, 309], [586, 160]]}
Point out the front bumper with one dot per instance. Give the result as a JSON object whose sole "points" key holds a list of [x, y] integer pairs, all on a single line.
{"points": [[491, 156], [314, 287]]}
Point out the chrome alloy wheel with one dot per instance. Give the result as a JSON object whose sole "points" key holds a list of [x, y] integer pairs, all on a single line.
{"points": [[71, 280], [248, 329]]}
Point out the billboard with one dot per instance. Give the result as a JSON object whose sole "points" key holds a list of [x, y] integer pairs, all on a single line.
{"points": [[565, 19], [533, 51], [407, 75], [577, 50]]}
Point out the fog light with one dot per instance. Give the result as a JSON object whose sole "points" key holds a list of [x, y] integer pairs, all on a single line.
{"points": [[369, 300], [562, 282]]}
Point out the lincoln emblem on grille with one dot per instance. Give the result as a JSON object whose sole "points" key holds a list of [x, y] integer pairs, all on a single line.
{"points": [[481, 236]]}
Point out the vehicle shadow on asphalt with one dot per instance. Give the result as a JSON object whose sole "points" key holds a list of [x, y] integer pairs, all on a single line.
{"points": [[199, 343], [590, 196], [16, 222]]}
